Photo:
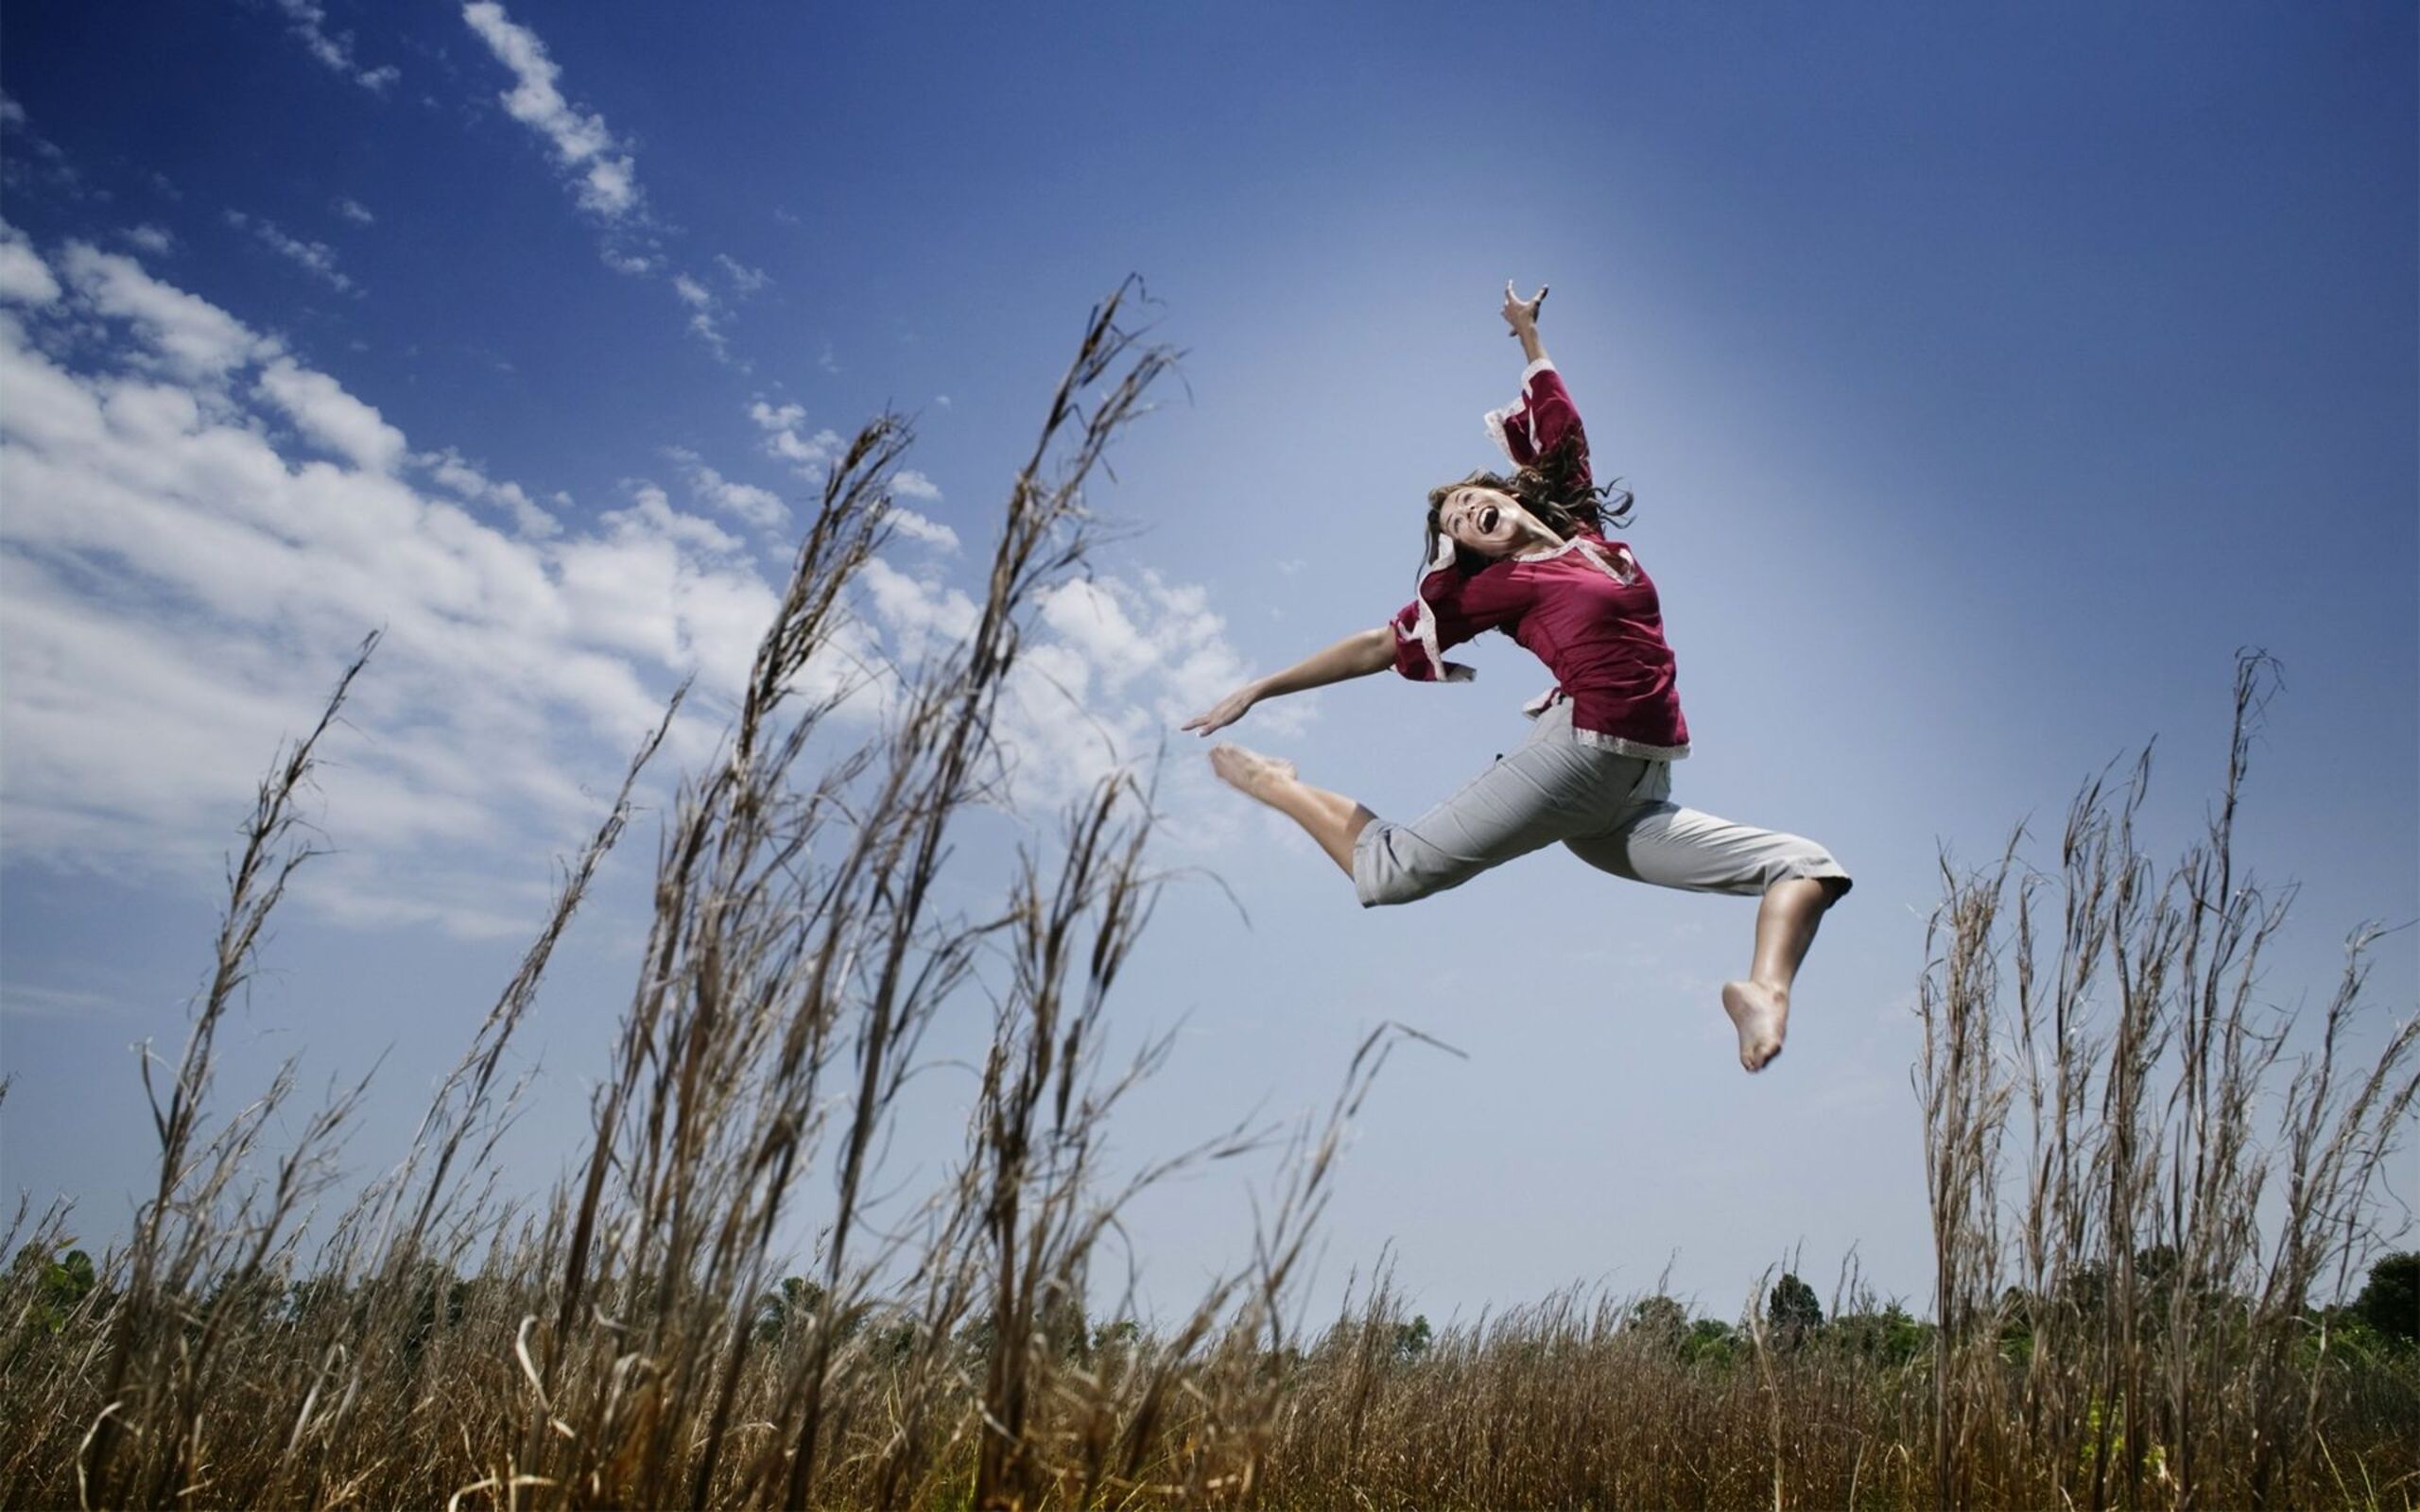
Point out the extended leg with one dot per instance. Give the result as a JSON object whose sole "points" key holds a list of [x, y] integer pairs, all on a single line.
{"points": [[1528, 799], [1331, 819]]}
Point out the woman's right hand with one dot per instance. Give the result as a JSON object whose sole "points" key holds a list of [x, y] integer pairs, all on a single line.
{"points": [[1224, 713], [1520, 314]]}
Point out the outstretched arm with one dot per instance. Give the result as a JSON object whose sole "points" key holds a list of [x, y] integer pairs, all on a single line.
{"points": [[1356, 655], [1522, 316]]}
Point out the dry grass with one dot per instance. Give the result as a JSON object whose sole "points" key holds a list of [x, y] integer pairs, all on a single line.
{"points": [[2139, 1177]]}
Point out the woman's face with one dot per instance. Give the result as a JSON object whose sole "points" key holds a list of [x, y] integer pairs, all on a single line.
{"points": [[1490, 522]]}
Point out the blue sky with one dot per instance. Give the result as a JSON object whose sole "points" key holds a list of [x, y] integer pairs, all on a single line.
{"points": [[1986, 379]]}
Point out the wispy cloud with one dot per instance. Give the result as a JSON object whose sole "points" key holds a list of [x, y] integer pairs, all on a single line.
{"points": [[1116, 663], [785, 428], [315, 258], [760, 508], [706, 313], [309, 22], [354, 211], [918, 528], [602, 173], [31, 158], [909, 484], [152, 239], [745, 280], [469, 480]]}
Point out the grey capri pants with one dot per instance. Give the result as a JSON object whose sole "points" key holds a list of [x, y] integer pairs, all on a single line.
{"points": [[1614, 811]]}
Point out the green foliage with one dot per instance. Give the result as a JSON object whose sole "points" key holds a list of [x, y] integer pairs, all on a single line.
{"points": [[59, 1283], [315, 1297], [1710, 1341], [786, 1306], [1660, 1318], [1792, 1312], [1412, 1339], [1667, 1325], [2390, 1303], [1066, 1332], [1890, 1337]]}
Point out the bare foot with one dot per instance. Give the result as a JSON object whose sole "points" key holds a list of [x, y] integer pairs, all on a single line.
{"points": [[1248, 771], [1761, 1014]]}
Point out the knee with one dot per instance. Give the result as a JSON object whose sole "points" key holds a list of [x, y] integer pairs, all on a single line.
{"points": [[1384, 886], [1386, 873], [1803, 860]]}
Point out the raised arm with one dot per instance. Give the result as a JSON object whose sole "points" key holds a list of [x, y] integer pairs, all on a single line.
{"points": [[1541, 427], [1356, 655], [1522, 316]]}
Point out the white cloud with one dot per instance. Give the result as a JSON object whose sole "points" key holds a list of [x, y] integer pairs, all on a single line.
{"points": [[1113, 667], [917, 527], [354, 211], [745, 280], [333, 50], [190, 336], [152, 239], [921, 614], [176, 585], [807, 454], [315, 258], [470, 481], [322, 411], [909, 483], [603, 174], [760, 508], [653, 512], [179, 583], [599, 167], [11, 114], [706, 314], [25, 278]]}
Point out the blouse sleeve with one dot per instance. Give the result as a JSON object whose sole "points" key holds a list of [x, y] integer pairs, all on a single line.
{"points": [[1451, 608], [1543, 419]]}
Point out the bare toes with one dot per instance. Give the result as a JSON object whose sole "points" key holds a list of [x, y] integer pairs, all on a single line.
{"points": [[1247, 770], [1762, 1016]]}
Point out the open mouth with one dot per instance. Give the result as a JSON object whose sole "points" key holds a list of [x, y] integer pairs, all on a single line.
{"points": [[1487, 518]]}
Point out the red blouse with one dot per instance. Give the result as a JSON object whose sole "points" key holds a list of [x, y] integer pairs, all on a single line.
{"points": [[1587, 609]]}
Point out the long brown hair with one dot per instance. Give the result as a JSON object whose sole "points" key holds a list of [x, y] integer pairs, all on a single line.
{"points": [[1557, 488]]}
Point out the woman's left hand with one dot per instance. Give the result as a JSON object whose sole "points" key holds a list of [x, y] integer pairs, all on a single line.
{"points": [[1224, 713]]}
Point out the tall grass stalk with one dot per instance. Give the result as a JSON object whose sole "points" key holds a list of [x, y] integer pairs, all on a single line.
{"points": [[2196, 1165]]}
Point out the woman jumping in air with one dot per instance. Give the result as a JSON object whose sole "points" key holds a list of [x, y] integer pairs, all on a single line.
{"points": [[1525, 553]]}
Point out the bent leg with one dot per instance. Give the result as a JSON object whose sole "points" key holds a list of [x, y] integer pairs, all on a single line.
{"points": [[1672, 846], [1797, 879]]}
